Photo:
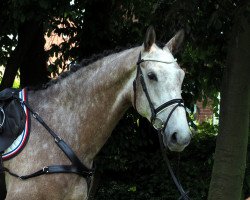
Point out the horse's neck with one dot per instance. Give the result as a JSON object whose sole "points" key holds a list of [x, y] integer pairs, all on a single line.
{"points": [[85, 107]]}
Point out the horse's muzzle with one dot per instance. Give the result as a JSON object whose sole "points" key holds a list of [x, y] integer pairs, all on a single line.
{"points": [[176, 141]]}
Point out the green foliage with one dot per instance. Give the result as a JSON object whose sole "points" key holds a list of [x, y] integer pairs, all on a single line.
{"points": [[130, 163], [15, 13], [132, 167], [16, 83], [94, 26], [206, 129]]}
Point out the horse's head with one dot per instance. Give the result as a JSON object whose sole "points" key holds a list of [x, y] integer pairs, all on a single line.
{"points": [[157, 90]]}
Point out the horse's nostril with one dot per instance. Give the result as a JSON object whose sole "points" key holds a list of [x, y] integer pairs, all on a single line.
{"points": [[174, 137]]}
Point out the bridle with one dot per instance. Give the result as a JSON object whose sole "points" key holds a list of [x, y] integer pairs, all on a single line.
{"points": [[157, 122]]}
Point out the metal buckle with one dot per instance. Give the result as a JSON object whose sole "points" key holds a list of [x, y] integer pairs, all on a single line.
{"points": [[35, 115], [90, 173], [1, 124], [158, 124], [45, 169], [57, 139]]}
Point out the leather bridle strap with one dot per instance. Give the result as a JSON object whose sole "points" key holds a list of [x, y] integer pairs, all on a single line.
{"points": [[144, 88], [184, 195], [179, 104], [169, 103]]}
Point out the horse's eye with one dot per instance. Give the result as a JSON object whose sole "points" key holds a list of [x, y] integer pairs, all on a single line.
{"points": [[152, 76]]}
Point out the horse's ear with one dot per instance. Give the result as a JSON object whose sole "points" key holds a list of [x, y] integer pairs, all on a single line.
{"points": [[174, 44], [149, 38]]}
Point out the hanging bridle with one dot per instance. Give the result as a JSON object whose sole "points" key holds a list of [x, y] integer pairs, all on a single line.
{"points": [[157, 122]]}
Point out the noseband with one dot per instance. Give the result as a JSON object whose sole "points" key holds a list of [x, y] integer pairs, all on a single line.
{"points": [[157, 122]]}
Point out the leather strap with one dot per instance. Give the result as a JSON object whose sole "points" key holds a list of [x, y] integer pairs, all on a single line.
{"points": [[144, 87], [52, 170], [170, 114], [77, 166], [169, 103], [61, 144], [184, 195]]}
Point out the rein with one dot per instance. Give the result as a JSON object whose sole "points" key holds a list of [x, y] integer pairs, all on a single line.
{"points": [[77, 167], [158, 123]]}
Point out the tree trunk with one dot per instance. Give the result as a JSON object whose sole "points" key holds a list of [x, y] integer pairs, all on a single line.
{"points": [[33, 68], [29, 56], [246, 186], [2, 187], [231, 145], [96, 32]]}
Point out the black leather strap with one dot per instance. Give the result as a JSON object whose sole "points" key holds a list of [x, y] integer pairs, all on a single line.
{"points": [[152, 60], [52, 170], [61, 143], [139, 75], [144, 87], [184, 195], [77, 166], [170, 114], [167, 104]]}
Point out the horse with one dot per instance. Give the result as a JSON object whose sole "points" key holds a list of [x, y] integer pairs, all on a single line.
{"points": [[85, 106]]}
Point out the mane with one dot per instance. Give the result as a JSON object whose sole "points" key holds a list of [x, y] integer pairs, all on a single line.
{"points": [[75, 66]]}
